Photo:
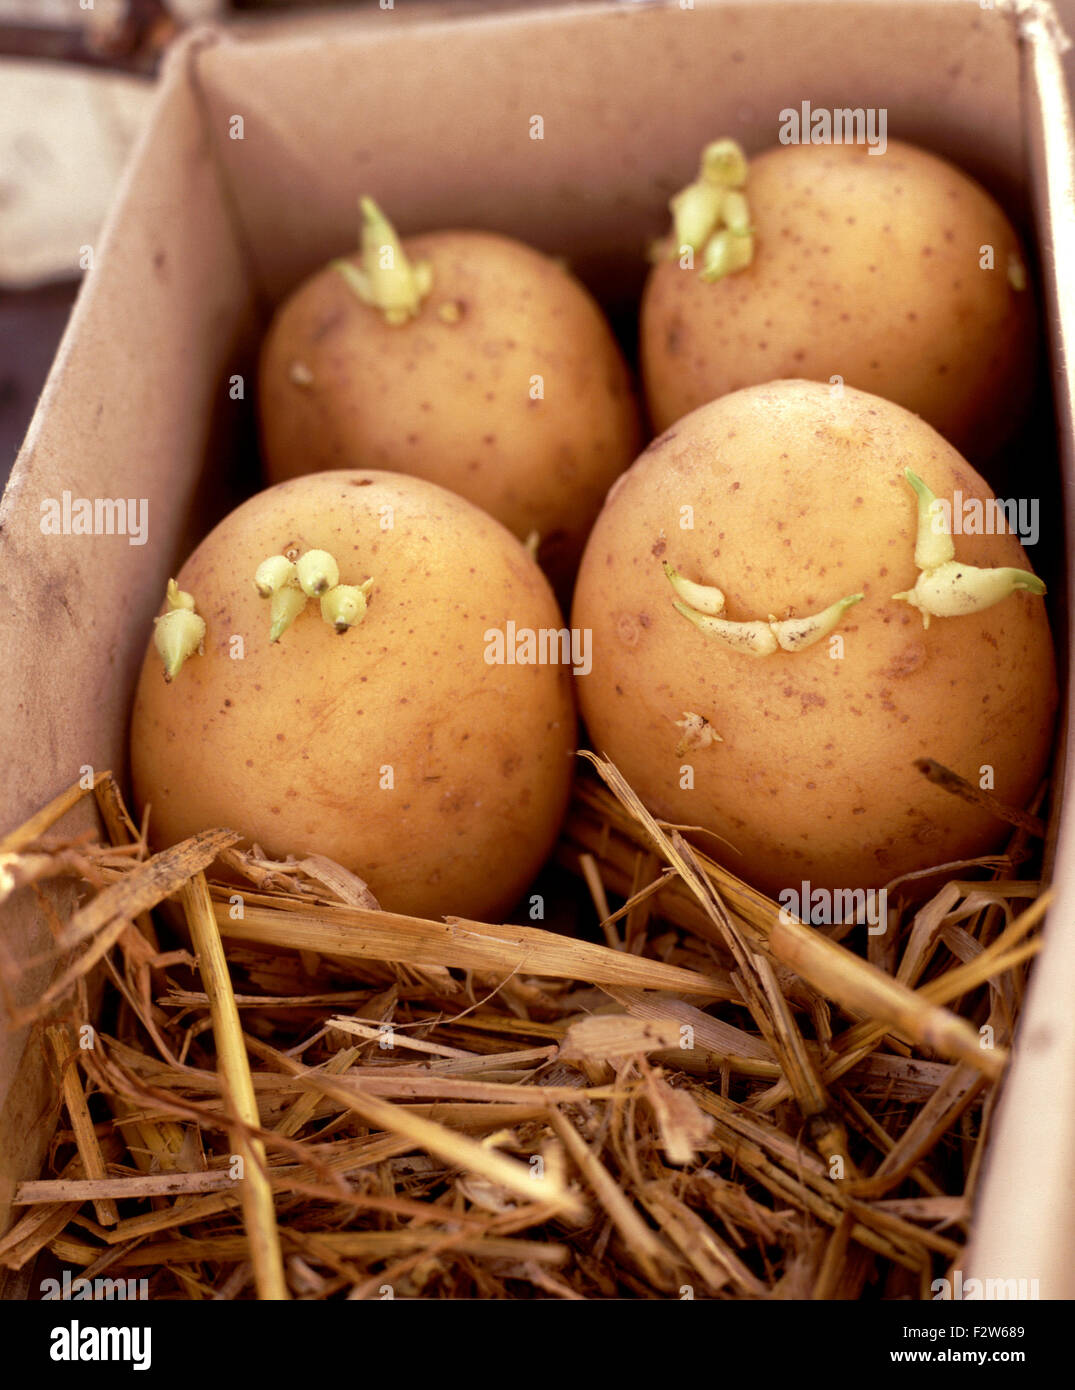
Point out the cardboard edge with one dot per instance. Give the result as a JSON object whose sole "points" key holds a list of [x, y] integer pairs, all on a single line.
{"points": [[1024, 1221], [27, 1088]]}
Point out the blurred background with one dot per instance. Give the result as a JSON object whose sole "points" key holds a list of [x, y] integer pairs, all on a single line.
{"points": [[76, 85]]}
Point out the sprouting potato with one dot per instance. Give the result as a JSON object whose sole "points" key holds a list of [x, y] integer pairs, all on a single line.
{"points": [[343, 702], [768, 566], [472, 361], [895, 273]]}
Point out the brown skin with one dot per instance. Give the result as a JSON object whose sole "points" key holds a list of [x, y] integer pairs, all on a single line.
{"points": [[799, 499], [866, 267], [451, 402], [287, 744]]}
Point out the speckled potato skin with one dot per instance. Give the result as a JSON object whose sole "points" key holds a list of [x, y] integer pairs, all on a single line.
{"points": [[452, 402], [866, 267], [799, 499], [288, 744]]}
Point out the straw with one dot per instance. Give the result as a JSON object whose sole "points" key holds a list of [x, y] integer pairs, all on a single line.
{"points": [[259, 1216], [458, 1109]]}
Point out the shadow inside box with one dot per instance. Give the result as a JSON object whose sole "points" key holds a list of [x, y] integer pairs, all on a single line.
{"points": [[31, 325]]}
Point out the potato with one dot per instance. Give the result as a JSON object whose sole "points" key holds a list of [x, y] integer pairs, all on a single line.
{"points": [[395, 747], [866, 267], [789, 497], [506, 386]]}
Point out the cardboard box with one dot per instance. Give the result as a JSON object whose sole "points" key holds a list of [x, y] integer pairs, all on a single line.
{"points": [[246, 180]]}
